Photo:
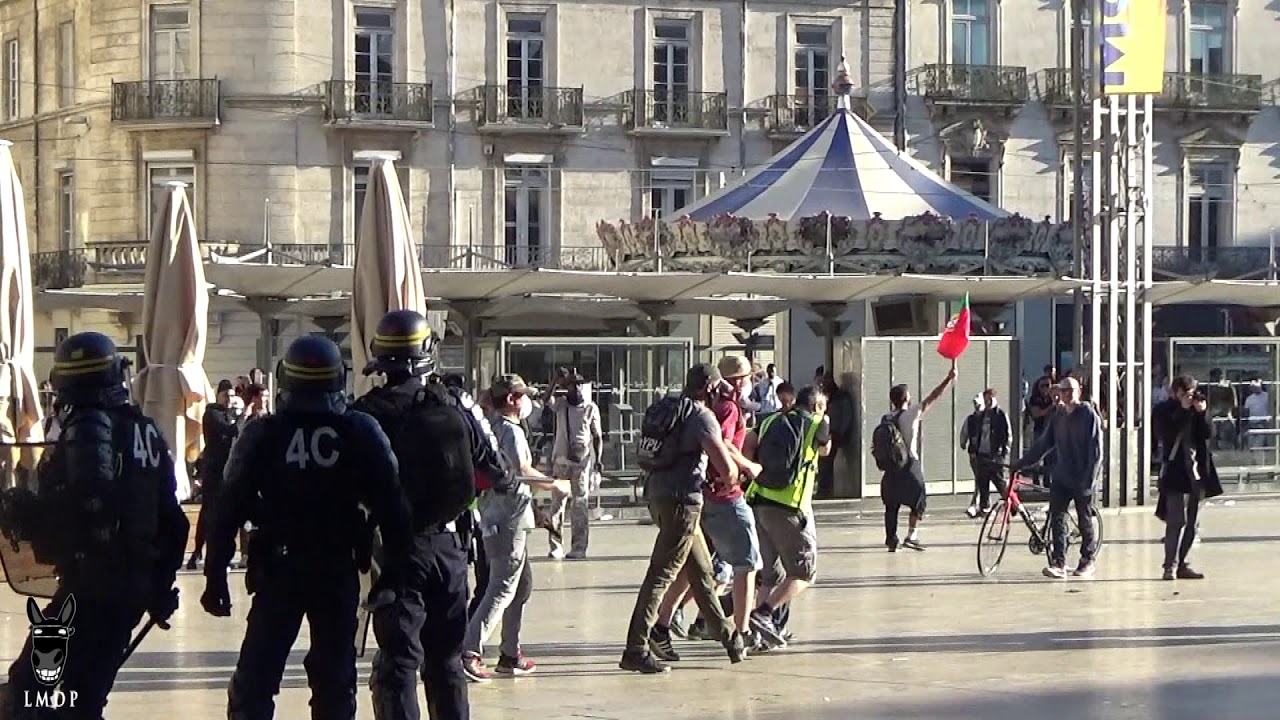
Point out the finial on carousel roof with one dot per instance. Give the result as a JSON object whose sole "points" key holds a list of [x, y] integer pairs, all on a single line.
{"points": [[843, 87]]}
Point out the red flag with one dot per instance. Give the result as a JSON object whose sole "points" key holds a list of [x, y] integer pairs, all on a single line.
{"points": [[955, 339]]}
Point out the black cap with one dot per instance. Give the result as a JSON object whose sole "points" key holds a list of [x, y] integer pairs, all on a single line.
{"points": [[699, 377], [224, 385]]}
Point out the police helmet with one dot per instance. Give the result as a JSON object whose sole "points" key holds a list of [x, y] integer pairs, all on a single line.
{"points": [[87, 369], [403, 341], [312, 364]]}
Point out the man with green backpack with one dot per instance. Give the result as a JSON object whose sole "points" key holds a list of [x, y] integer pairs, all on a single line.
{"points": [[787, 446]]}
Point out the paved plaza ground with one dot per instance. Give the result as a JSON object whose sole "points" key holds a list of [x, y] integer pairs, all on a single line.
{"points": [[903, 636]]}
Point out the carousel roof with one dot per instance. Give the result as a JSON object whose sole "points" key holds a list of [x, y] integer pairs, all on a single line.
{"points": [[845, 168]]}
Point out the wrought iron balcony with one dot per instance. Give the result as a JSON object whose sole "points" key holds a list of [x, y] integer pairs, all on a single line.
{"points": [[357, 101], [58, 270], [521, 108], [797, 114], [1219, 262], [1211, 92], [665, 109], [1053, 87], [591, 258], [999, 85], [182, 103]]}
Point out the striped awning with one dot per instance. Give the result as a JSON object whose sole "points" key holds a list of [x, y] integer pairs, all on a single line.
{"points": [[845, 168]]}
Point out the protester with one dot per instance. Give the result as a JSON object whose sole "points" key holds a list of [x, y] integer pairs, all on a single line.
{"points": [[784, 516], [576, 453], [786, 396], [765, 391], [220, 426], [905, 487], [1075, 435], [675, 501], [841, 414], [986, 437], [1187, 475], [506, 517], [727, 520]]}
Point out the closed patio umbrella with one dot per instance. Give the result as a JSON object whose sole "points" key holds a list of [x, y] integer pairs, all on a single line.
{"points": [[388, 275], [22, 415], [173, 388]]}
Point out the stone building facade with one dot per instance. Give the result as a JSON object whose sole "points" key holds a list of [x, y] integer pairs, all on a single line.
{"points": [[520, 124]]}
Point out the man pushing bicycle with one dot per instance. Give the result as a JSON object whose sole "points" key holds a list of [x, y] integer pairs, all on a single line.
{"points": [[1075, 433]]}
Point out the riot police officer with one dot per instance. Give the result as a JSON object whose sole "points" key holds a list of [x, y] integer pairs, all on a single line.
{"points": [[107, 520], [301, 477], [423, 629]]}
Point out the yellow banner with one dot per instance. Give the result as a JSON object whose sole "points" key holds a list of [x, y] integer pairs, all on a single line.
{"points": [[1132, 46]]}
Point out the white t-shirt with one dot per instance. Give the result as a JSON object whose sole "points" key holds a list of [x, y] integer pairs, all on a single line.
{"points": [[909, 426], [1258, 405]]}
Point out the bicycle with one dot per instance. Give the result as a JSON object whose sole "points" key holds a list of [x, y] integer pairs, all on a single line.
{"points": [[994, 537]]}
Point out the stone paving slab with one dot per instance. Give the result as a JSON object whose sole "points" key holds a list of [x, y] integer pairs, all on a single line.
{"points": [[893, 636]]}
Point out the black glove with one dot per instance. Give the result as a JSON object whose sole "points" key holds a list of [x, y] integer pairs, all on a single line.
{"points": [[216, 599], [382, 594], [163, 604]]}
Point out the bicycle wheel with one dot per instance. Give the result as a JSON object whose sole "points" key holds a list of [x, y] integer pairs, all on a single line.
{"points": [[994, 539]]}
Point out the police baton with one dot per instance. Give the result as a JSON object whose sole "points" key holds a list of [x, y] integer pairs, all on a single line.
{"points": [[137, 640]]}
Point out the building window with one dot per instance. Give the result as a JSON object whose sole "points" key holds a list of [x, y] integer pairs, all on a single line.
{"points": [[1086, 40], [170, 42], [359, 188], [12, 80], [671, 48], [973, 175], [526, 67], [1208, 39], [66, 64], [669, 192], [525, 214], [1208, 205], [158, 178], [66, 211], [970, 33], [375, 49], [813, 75]]}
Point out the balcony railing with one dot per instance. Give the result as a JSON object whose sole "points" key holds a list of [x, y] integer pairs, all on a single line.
{"points": [[1053, 86], [1219, 262], [166, 101], [530, 105], [58, 270], [800, 113], [1223, 92], [977, 84], [450, 257], [665, 108], [348, 100]]}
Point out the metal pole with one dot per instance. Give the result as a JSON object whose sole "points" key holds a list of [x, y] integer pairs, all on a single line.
{"points": [[1148, 183], [1132, 265], [900, 74], [831, 257], [1111, 485], [1095, 255], [1077, 176]]}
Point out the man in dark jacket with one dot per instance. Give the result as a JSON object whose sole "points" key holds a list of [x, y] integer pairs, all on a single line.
{"points": [[221, 425], [1187, 475], [1075, 435], [986, 437]]}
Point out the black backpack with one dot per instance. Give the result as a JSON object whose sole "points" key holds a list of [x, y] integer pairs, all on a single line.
{"points": [[779, 451], [655, 450], [888, 446], [432, 443]]}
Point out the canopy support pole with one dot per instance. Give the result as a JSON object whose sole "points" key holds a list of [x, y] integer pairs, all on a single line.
{"points": [[747, 337], [828, 326]]}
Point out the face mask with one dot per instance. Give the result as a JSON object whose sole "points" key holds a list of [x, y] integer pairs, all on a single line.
{"points": [[526, 407]]}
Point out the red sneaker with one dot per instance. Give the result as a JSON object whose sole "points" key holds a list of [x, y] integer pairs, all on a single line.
{"points": [[517, 666], [473, 668]]}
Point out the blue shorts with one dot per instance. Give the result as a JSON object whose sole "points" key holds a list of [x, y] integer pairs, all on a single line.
{"points": [[731, 527]]}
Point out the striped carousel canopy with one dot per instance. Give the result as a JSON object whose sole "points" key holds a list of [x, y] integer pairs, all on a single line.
{"points": [[846, 168]]}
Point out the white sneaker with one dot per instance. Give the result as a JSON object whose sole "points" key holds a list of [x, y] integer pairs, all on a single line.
{"points": [[972, 512], [557, 554], [1053, 571]]}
